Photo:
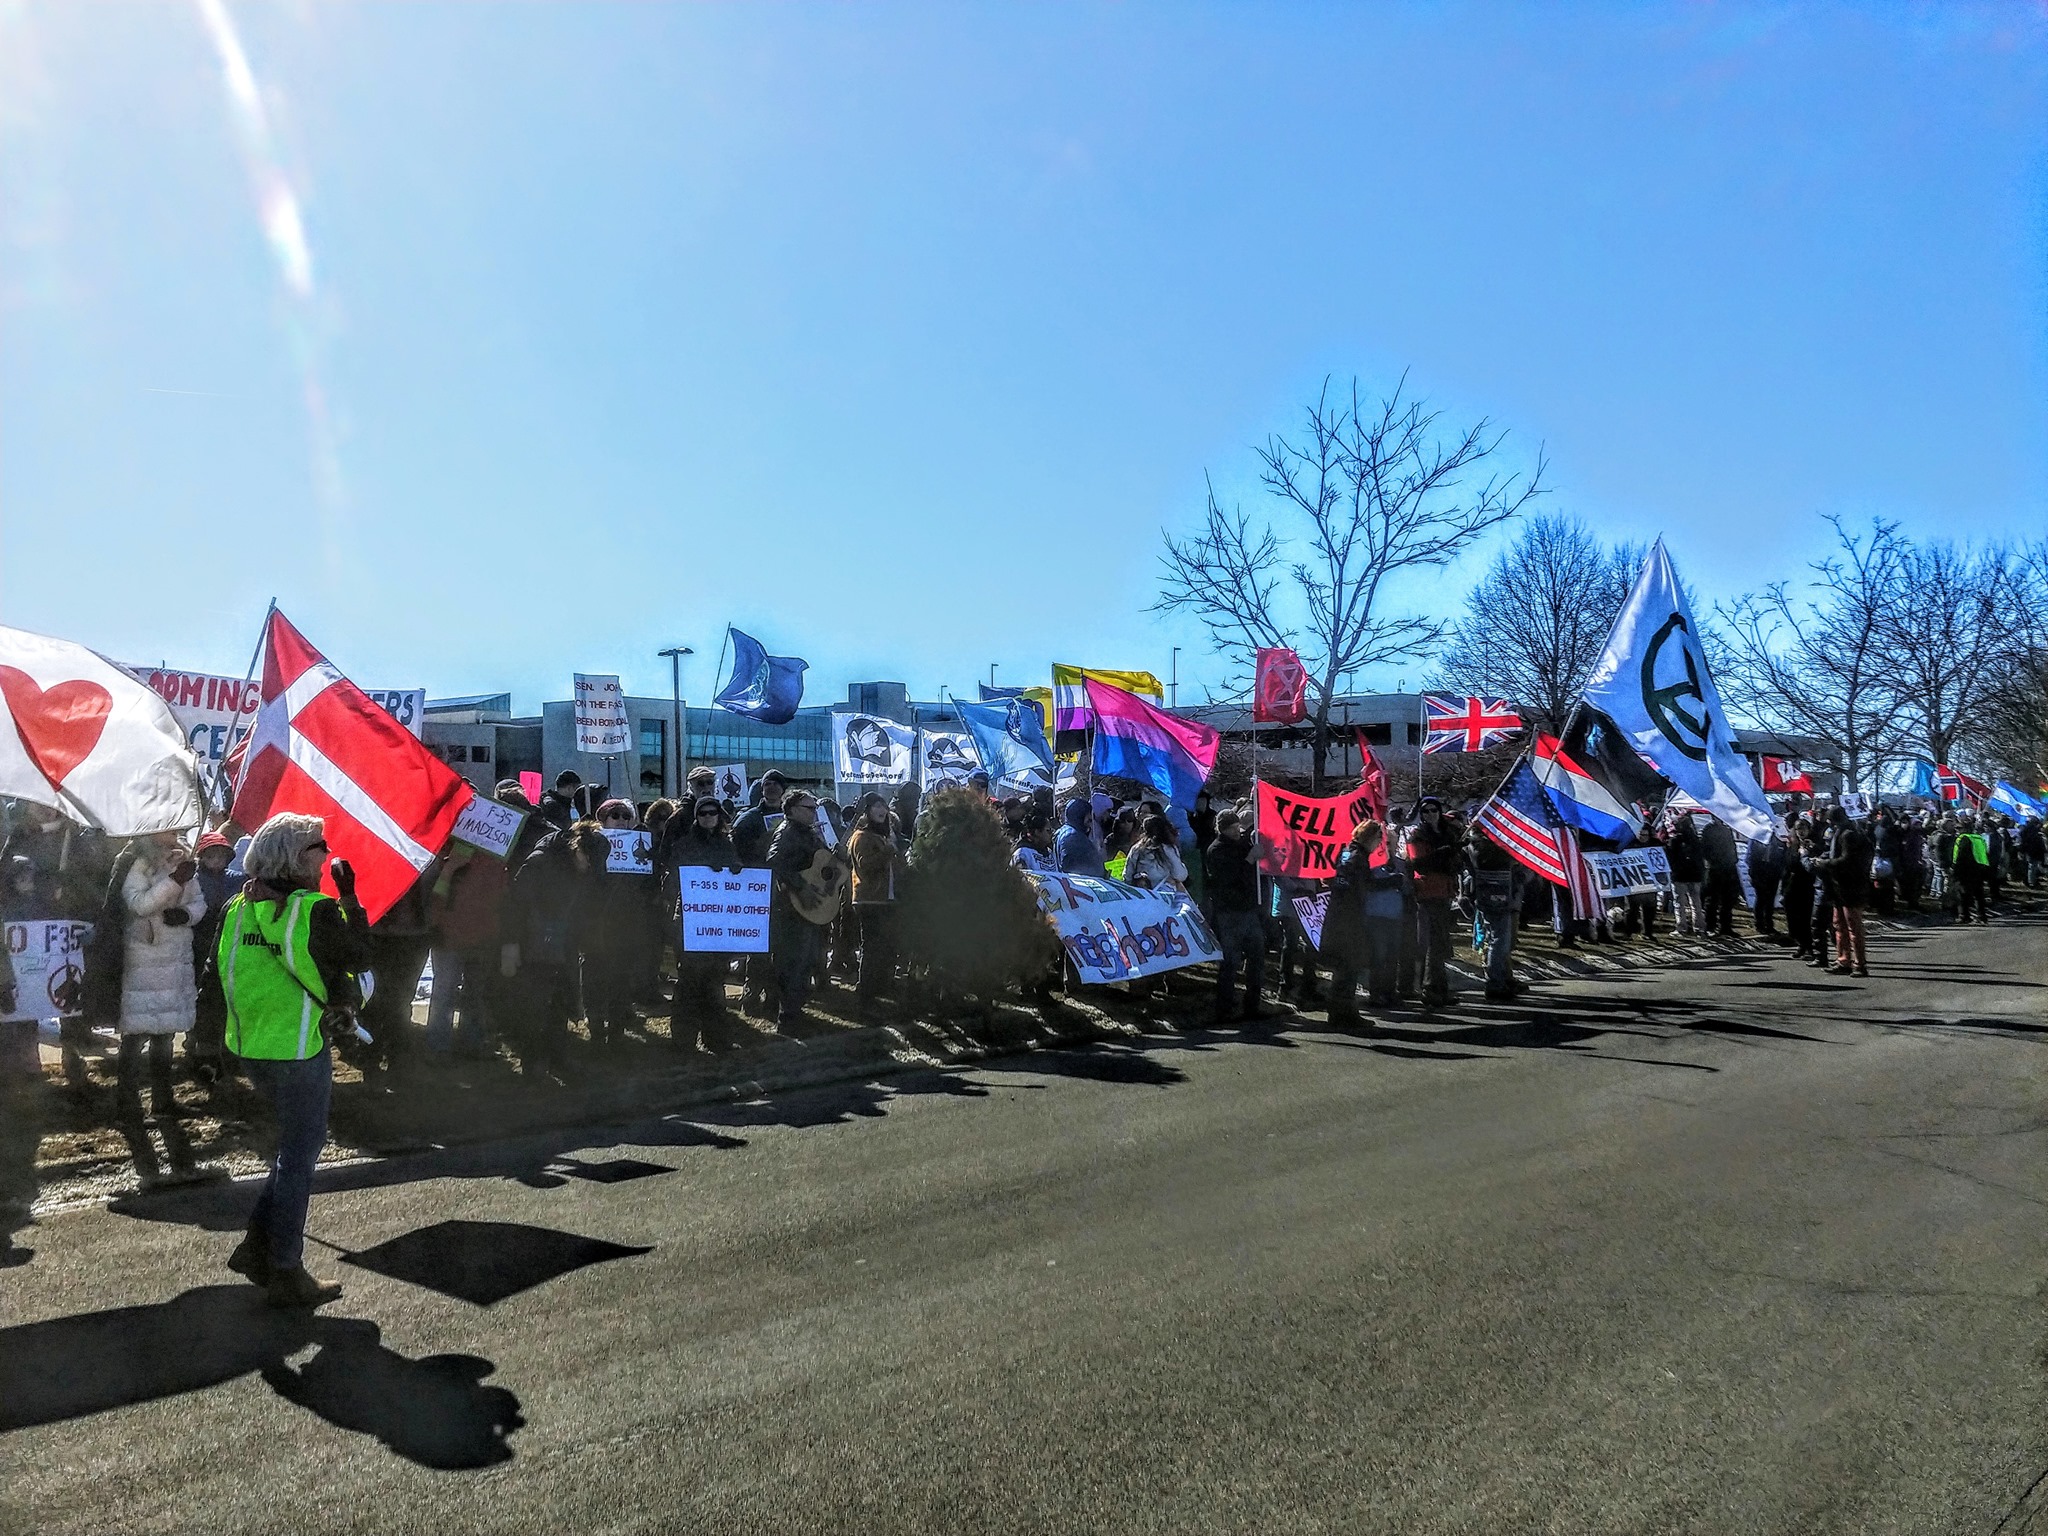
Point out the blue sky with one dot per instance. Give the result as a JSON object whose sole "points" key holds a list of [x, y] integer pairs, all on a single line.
{"points": [[896, 334]]}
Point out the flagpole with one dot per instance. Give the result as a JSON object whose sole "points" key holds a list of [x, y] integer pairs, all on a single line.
{"points": [[249, 677]]}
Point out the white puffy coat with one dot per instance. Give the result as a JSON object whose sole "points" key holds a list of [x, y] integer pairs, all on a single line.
{"points": [[158, 994]]}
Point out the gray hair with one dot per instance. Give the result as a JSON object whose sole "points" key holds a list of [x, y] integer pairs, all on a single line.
{"points": [[274, 850]]}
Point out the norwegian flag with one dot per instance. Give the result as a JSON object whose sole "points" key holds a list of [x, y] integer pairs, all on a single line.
{"points": [[321, 747], [1782, 775], [1959, 788], [1522, 820], [1467, 725]]}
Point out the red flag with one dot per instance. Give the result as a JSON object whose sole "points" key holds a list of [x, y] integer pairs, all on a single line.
{"points": [[1372, 777], [1280, 692], [322, 748], [1782, 775]]}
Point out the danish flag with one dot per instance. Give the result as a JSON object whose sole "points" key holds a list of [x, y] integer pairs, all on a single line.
{"points": [[321, 747]]}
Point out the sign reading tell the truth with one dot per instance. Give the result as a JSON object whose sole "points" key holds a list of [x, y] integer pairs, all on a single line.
{"points": [[724, 913], [1301, 837]]}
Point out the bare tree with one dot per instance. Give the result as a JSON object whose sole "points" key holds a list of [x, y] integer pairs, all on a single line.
{"points": [[1536, 622], [2012, 741], [1368, 490], [1949, 637], [1818, 662]]}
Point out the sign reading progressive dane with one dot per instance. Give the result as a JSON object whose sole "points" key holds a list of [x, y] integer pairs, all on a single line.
{"points": [[871, 752], [1114, 932], [216, 712], [724, 913], [1632, 872], [48, 956], [1301, 837]]}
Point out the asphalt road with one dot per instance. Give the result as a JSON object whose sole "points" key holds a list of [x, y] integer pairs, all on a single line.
{"points": [[1742, 1248]]}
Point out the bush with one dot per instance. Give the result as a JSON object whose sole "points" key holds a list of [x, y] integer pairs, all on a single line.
{"points": [[969, 916]]}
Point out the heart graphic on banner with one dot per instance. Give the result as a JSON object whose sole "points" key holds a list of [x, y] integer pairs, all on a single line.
{"points": [[59, 726]]}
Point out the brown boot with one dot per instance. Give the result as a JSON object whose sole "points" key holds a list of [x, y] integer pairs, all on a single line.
{"points": [[295, 1288]]}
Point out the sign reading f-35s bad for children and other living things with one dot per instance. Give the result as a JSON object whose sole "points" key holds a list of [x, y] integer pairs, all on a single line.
{"points": [[1113, 931], [724, 912], [1300, 837], [217, 712]]}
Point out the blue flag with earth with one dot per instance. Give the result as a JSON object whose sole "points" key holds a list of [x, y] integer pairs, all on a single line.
{"points": [[1652, 682], [1010, 736], [762, 687]]}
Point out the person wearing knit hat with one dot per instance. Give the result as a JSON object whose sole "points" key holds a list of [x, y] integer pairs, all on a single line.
{"points": [[616, 931]]}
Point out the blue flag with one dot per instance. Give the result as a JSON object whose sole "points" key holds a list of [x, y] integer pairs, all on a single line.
{"points": [[762, 687], [1010, 737], [1924, 782], [2014, 802]]}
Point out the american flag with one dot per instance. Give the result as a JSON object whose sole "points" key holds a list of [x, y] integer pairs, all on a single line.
{"points": [[1522, 820], [1467, 725]]}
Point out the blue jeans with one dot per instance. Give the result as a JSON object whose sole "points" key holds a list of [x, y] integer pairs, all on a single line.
{"points": [[298, 1092], [1500, 949], [793, 948]]}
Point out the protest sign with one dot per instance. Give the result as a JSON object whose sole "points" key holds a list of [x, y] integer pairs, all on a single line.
{"points": [[217, 712], [944, 758], [729, 782], [869, 752], [600, 714], [632, 851], [1858, 806], [1632, 872], [1300, 837], [1114, 932], [529, 786], [490, 826], [48, 955], [1312, 910], [724, 914]]}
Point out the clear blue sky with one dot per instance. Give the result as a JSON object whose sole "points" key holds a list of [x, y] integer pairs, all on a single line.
{"points": [[895, 334]]}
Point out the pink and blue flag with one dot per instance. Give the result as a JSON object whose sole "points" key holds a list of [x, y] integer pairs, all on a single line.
{"points": [[1135, 740]]}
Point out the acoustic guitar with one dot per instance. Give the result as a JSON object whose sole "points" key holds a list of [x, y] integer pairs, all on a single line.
{"points": [[821, 889]]}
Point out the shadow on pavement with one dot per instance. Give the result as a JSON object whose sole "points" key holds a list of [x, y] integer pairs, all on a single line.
{"points": [[433, 1411], [483, 1262]]}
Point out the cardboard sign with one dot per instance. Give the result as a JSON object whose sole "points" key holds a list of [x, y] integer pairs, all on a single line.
{"points": [[1301, 837], [632, 851], [1311, 910], [486, 824], [48, 955], [730, 783], [1632, 872], [724, 914], [1114, 932], [600, 714], [1857, 805]]}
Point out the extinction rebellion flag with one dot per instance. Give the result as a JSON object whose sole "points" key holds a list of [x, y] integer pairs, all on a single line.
{"points": [[1280, 693]]}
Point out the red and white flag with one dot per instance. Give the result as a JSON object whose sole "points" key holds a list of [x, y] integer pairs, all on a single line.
{"points": [[1783, 775], [83, 736], [322, 747]]}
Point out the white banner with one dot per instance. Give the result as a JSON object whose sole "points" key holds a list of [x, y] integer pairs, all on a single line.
{"points": [[869, 752], [1632, 872], [600, 715], [486, 824], [724, 914], [632, 851], [1114, 932], [49, 966], [216, 712], [945, 757]]}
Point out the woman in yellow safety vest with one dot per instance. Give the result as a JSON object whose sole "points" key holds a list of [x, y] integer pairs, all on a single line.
{"points": [[288, 960]]}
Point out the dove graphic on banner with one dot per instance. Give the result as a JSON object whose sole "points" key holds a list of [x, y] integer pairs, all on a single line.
{"points": [[89, 740], [1652, 682]]}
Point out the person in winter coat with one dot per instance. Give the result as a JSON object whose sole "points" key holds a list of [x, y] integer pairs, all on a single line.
{"points": [[1362, 926], [203, 1045], [1688, 875], [466, 909], [1497, 900], [2033, 843], [1436, 848], [793, 938], [1796, 889], [159, 997], [1970, 864], [558, 806], [1766, 872], [1230, 875], [878, 863], [614, 933], [545, 920], [1847, 865], [1723, 881], [750, 838], [1074, 849], [701, 843]]}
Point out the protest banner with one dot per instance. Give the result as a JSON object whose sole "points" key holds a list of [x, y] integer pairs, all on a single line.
{"points": [[1632, 872], [1312, 910], [944, 758], [217, 712], [632, 851], [724, 913], [486, 824], [1301, 837], [600, 714], [1114, 932], [729, 782], [48, 955], [1858, 806], [869, 752]]}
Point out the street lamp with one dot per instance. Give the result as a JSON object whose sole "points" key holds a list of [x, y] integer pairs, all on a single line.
{"points": [[1173, 687], [991, 677], [675, 655]]}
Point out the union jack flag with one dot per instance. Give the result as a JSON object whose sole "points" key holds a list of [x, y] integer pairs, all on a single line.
{"points": [[1467, 725], [1522, 820]]}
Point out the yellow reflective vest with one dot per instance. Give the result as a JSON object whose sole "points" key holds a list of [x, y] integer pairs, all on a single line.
{"points": [[274, 992]]}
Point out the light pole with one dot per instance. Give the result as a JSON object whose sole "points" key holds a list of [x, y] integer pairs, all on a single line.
{"points": [[1173, 687], [991, 677], [675, 655]]}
